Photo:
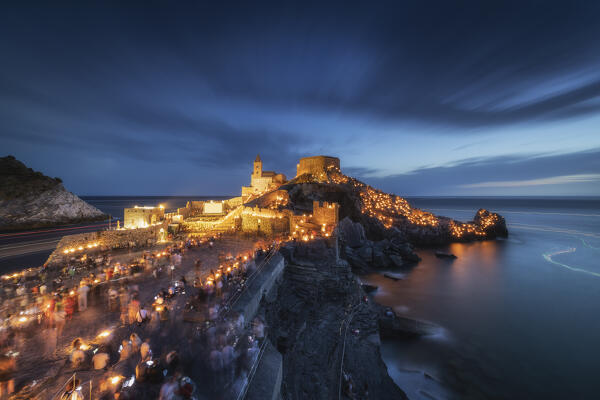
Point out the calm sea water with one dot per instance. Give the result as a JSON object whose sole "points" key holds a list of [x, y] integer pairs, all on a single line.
{"points": [[520, 317]]}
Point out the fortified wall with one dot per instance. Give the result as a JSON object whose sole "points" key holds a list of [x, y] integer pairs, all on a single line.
{"points": [[317, 165], [325, 213], [83, 243], [264, 221]]}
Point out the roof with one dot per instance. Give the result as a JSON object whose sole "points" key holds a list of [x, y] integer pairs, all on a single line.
{"points": [[257, 159], [268, 173]]}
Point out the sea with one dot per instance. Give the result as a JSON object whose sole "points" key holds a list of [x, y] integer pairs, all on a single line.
{"points": [[519, 318]]}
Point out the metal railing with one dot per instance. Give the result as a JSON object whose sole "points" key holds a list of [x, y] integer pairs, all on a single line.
{"points": [[252, 371]]}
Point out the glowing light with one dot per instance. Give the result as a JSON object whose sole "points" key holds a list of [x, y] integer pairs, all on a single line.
{"points": [[115, 380]]}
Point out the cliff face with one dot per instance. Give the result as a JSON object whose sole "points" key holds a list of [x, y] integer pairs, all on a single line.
{"points": [[31, 199], [326, 331]]}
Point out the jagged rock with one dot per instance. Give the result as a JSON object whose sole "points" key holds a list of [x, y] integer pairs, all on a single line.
{"points": [[366, 253], [380, 260], [393, 326], [356, 262], [369, 288], [441, 254], [497, 228], [382, 244], [304, 322], [396, 260], [352, 233]]}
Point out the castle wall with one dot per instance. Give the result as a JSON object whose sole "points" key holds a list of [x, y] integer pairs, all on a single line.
{"points": [[325, 213], [317, 165]]}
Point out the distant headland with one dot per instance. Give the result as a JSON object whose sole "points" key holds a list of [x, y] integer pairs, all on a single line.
{"points": [[30, 199]]}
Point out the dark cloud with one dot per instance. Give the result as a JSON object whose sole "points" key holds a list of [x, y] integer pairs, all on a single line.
{"points": [[452, 179], [181, 83]]}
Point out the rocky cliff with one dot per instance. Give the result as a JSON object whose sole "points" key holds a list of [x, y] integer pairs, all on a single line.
{"points": [[30, 199], [327, 330]]}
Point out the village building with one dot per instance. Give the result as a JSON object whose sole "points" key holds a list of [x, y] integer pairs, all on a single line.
{"points": [[261, 181], [142, 217]]}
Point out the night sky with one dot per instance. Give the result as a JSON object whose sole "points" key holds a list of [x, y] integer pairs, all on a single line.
{"points": [[417, 98]]}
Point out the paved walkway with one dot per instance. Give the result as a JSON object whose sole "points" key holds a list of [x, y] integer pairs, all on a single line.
{"points": [[50, 372]]}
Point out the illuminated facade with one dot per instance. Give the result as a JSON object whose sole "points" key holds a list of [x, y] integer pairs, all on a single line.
{"points": [[261, 181], [142, 217], [317, 165]]}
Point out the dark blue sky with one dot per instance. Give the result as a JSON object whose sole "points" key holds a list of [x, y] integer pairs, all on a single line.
{"points": [[418, 98]]}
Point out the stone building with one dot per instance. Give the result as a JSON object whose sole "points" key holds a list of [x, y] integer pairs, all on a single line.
{"points": [[261, 181], [213, 207], [317, 165], [325, 213], [142, 217]]}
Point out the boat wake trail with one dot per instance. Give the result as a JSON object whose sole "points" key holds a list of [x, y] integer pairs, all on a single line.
{"points": [[546, 228], [548, 257], [586, 244]]}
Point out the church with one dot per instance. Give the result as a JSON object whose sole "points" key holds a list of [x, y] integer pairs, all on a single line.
{"points": [[261, 181]]}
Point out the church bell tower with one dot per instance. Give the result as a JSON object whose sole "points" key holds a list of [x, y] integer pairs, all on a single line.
{"points": [[257, 167]]}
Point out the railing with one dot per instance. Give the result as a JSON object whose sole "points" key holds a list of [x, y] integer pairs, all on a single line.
{"points": [[252, 372], [236, 296], [346, 322]]}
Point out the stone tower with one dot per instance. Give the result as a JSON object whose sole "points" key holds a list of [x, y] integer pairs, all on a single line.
{"points": [[257, 166]]}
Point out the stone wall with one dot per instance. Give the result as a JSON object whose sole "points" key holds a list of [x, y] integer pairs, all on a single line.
{"points": [[317, 165], [325, 213], [89, 243], [233, 202], [264, 221], [249, 302]]}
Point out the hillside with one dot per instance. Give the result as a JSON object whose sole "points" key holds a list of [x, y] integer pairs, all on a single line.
{"points": [[383, 215], [30, 199]]}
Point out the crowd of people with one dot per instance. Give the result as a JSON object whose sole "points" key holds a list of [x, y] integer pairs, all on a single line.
{"points": [[184, 326]]}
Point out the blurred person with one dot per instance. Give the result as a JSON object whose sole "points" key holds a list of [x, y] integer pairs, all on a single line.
{"points": [[82, 293]]}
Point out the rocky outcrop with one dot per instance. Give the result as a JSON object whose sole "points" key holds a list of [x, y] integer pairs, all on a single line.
{"points": [[382, 215], [325, 330], [394, 326], [31, 199], [363, 254]]}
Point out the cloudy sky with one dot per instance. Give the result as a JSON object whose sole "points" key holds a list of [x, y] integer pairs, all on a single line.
{"points": [[415, 97]]}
